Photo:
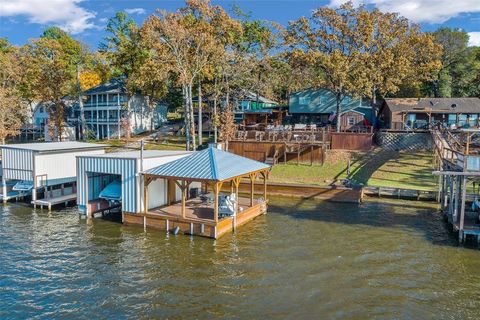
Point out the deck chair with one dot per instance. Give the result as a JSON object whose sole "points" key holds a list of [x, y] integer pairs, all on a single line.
{"points": [[226, 205]]}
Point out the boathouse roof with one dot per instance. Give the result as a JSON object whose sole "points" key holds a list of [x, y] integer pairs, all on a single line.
{"points": [[136, 154], [209, 164], [54, 146]]}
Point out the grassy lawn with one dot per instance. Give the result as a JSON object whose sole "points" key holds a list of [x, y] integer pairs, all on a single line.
{"points": [[398, 170], [381, 168]]}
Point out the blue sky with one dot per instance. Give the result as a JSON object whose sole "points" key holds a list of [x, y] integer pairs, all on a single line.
{"points": [[21, 20]]}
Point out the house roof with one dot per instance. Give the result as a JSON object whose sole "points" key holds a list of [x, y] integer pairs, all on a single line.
{"points": [[112, 86], [54, 146], [449, 105], [252, 96], [352, 110], [323, 101], [209, 164], [136, 154], [241, 95]]}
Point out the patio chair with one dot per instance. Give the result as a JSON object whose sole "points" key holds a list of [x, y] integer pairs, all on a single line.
{"points": [[259, 135], [313, 127], [226, 205], [298, 126]]}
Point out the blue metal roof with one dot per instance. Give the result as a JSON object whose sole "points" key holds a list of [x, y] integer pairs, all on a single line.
{"points": [[208, 164]]}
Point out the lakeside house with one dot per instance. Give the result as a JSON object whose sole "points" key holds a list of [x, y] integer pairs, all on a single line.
{"points": [[250, 108], [109, 110], [247, 109], [422, 113], [49, 167], [318, 106]]}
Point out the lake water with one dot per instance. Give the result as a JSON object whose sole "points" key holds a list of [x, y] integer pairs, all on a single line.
{"points": [[304, 259]]}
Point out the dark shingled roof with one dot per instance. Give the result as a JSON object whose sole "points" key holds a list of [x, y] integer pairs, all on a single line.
{"points": [[112, 86], [448, 105]]}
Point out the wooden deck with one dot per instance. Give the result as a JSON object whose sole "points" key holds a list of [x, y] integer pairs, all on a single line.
{"points": [[198, 217], [49, 202]]}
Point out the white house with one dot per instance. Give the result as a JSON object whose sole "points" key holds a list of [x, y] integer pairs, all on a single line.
{"points": [[108, 109]]}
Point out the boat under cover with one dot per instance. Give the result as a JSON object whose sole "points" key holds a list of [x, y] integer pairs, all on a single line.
{"points": [[112, 192], [23, 186]]}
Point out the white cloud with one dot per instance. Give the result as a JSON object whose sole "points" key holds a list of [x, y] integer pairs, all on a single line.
{"points": [[135, 11], [474, 39], [67, 14], [432, 11]]}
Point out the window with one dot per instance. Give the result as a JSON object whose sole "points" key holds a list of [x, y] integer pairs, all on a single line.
{"points": [[304, 100], [350, 121]]}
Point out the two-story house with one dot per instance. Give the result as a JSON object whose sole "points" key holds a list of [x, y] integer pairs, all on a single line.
{"points": [[109, 111]]}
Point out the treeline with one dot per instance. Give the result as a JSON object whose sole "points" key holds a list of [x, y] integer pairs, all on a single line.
{"points": [[203, 50]]}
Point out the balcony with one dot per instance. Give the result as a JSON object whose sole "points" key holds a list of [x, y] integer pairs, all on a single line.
{"points": [[111, 104]]}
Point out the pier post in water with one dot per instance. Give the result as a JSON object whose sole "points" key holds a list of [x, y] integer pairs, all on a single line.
{"points": [[462, 210]]}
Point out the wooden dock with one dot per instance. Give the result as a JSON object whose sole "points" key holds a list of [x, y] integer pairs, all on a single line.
{"points": [[199, 218], [49, 202]]}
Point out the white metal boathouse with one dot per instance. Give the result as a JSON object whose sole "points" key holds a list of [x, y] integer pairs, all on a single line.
{"points": [[120, 173], [49, 167]]}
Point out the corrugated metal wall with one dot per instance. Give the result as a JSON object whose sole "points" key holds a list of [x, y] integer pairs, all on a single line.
{"points": [[17, 164], [60, 166], [127, 168]]}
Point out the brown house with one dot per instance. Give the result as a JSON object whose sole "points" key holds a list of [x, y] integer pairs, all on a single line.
{"points": [[422, 113]]}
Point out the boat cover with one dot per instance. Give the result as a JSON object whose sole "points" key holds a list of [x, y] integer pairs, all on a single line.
{"points": [[23, 186], [112, 192]]}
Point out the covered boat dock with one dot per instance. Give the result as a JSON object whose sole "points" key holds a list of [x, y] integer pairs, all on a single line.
{"points": [[204, 211], [45, 171], [112, 180]]}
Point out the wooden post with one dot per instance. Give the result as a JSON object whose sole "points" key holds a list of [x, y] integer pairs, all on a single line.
{"points": [[462, 210], [298, 153], [440, 184], [446, 183], [264, 174], [311, 155], [146, 181], [467, 147], [252, 188], [215, 202], [237, 183], [145, 198], [455, 199], [451, 197], [184, 196]]}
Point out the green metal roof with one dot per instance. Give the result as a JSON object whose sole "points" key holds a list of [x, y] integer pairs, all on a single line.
{"points": [[322, 101], [209, 164]]}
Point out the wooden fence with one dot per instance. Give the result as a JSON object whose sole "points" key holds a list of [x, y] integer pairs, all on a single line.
{"points": [[260, 150], [351, 141]]}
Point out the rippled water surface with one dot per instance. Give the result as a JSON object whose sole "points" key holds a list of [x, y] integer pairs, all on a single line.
{"points": [[305, 259]]}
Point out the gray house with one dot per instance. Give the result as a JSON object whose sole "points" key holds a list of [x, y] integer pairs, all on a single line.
{"points": [[318, 106]]}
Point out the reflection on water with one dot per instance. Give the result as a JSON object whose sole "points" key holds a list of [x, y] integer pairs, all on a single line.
{"points": [[305, 259]]}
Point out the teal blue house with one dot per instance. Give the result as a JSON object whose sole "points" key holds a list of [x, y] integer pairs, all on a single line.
{"points": [[319, 105]]}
